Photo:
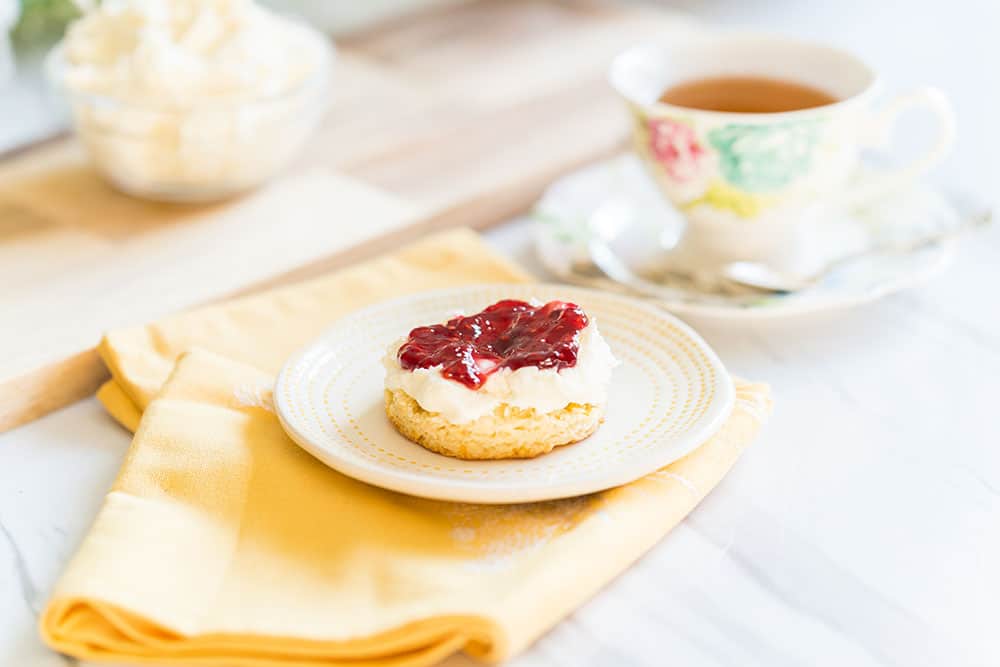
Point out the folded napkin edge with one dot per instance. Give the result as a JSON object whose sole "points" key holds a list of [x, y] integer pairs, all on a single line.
{"points": [[424, 641]]}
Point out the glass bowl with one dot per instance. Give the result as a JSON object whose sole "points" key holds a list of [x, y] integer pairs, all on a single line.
{"points": [[202, 152]]}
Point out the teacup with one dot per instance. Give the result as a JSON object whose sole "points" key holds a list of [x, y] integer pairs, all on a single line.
{"points": [[750, 185]]}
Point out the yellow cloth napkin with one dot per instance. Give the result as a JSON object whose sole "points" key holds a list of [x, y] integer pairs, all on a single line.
{"points": [[223, 543]]}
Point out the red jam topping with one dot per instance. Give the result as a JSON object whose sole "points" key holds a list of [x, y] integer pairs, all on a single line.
{"points": [[509, 334]]}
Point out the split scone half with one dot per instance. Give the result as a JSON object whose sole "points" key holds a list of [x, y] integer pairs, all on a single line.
{"points": [[515, 380]]}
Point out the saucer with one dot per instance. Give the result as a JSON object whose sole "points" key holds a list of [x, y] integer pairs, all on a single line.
{"points": [[644, 227], [670, 394]]}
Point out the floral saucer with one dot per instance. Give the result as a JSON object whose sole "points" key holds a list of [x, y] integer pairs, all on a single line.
{"points": [[617, 200]]}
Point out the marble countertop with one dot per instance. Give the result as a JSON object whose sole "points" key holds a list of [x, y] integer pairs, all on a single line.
{"points": [[862, 528]]}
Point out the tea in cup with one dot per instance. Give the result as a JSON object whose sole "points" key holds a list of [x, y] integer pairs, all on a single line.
{"points": [[754, 138]]}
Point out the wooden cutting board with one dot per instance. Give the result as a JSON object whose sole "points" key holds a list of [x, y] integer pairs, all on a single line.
{"points": [[459, 115]]}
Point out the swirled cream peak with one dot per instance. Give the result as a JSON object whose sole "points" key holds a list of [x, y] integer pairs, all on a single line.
{"points": [[182, 53], [545, 390]]}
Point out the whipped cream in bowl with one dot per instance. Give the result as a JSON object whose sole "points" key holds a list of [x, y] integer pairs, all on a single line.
{"points": [[189, 100]]}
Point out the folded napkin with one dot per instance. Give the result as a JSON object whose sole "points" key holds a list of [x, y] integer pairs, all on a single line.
{"points": [[223, 543]]}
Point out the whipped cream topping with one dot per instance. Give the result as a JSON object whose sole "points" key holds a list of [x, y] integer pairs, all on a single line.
{"points": [[545, 390]]}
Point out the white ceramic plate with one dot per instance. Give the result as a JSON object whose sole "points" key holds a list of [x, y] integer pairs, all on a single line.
{"points": [[648, 226], [669, 395]]}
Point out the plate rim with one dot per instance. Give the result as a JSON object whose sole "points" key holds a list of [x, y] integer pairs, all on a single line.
{"points": [[471, 490]]}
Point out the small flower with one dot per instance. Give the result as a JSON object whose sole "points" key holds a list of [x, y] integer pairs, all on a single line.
{"points": [[764, 158], [676, 148]]}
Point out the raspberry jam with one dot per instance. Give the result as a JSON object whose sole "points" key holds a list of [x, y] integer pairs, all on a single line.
{"points": [[509, 334]]}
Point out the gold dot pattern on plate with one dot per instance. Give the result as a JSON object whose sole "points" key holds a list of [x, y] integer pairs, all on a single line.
{"points": [[676, 371]]}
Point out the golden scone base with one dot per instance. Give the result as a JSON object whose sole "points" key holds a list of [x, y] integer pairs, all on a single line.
{"points": [[508, 433]]}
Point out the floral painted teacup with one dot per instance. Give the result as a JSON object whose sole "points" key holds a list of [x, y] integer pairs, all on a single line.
{"points": [[750, 185]]}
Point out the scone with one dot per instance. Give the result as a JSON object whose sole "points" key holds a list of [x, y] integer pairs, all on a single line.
{"points": [[515, 380]]}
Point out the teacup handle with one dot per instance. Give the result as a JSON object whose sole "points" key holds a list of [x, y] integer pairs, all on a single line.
{"points": [[879, 131]]}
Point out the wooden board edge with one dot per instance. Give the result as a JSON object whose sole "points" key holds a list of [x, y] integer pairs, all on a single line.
{"points": [[43, 390]]}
